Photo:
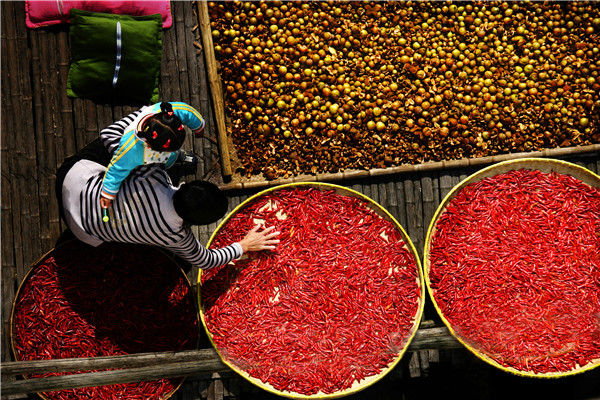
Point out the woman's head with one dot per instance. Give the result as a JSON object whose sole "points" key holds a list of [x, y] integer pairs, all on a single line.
{"points": [[163, 131], [200, 203]]}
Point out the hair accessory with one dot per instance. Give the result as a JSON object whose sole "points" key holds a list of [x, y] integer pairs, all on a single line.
{"points": [[154, 135], [170, 113], [166, 108], [166, 145], [180, 128]]}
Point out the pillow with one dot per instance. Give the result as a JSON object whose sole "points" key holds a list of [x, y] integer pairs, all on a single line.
{"points": [[117, 55], [40, 13]]}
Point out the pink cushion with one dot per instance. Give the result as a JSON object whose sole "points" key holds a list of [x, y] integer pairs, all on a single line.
{"points": [[49, 12]]}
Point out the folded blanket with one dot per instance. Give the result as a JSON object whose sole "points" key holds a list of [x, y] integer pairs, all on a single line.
{"points": [[49, 12]]}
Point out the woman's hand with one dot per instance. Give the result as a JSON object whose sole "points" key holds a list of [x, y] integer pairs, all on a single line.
{"points": [[256, 241], [105, 203]]}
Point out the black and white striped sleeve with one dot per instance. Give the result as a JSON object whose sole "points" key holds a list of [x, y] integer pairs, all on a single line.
{"points": [[111, 135], [192, 251]]}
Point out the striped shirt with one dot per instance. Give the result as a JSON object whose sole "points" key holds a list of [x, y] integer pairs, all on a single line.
{"points": [[142, 212]]}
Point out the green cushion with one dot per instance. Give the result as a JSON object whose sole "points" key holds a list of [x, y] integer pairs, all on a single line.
{"points": [[94, 55]]}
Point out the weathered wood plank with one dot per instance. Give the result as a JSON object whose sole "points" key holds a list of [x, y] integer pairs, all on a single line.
{"points": [[47, 137], [401, 206], [110, 377], [414, 366], [414, 211], [187, 18], [168, 70], [197, 93], [79, 123], [108, 362], [429, 199], [153, 366], [23, 139], [468, 164], [214, 81], [391, 200], [8, 275], [216, 391], [65, 134], [374, 188], [424, 339], [92, 126], [446, 185], [183, 47], [18, 163], [207, 147]]}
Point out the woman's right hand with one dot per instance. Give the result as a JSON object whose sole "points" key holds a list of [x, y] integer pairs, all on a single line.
{"points": [[263, 240]]}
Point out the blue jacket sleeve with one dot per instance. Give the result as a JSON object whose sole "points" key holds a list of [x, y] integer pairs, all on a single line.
{"points": [[128, 156], [188, 115]]}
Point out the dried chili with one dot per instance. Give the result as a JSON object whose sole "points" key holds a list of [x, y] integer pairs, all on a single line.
{"points": [[515, 270], [115, 299], [334, 304]]}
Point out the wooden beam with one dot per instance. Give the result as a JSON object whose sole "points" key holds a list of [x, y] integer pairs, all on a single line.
{"points": [[151, 366], [351, 175], [101, 378], [110, 362], [433, 339], [216, 90]]}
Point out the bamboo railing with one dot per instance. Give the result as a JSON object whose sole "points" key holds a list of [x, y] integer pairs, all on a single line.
{"points": [[149, 366]]}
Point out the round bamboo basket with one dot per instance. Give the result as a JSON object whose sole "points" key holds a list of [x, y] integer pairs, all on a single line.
{"points": [[368, 381], [540, 164], [49, 254]]}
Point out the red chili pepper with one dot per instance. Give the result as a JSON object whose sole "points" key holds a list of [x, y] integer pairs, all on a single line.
{"points": [[331, 306], [515, 266], [80, 303]]}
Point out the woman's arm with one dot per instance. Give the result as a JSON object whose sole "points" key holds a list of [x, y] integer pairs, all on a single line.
{"points": [[193, 252]]}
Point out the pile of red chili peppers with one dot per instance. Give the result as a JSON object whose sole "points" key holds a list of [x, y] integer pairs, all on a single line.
{"points": [[335, 303], [515, 270], [115, 299]]}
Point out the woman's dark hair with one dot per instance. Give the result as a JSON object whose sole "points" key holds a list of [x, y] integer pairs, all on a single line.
{"points": [[163, 131], [200, 203]]}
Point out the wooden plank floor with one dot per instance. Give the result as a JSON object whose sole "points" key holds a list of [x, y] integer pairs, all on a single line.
{"points": [[41, 126]]}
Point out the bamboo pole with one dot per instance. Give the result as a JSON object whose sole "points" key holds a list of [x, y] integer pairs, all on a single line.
{"points": [[214, 81], [150, 366]]}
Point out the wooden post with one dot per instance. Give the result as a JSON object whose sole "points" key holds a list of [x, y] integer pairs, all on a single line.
{"points": [[214, 81]]}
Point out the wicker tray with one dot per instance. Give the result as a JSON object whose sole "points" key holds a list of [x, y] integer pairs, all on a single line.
{"points": [[545, 166], [357, 385], [67, 291]]}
